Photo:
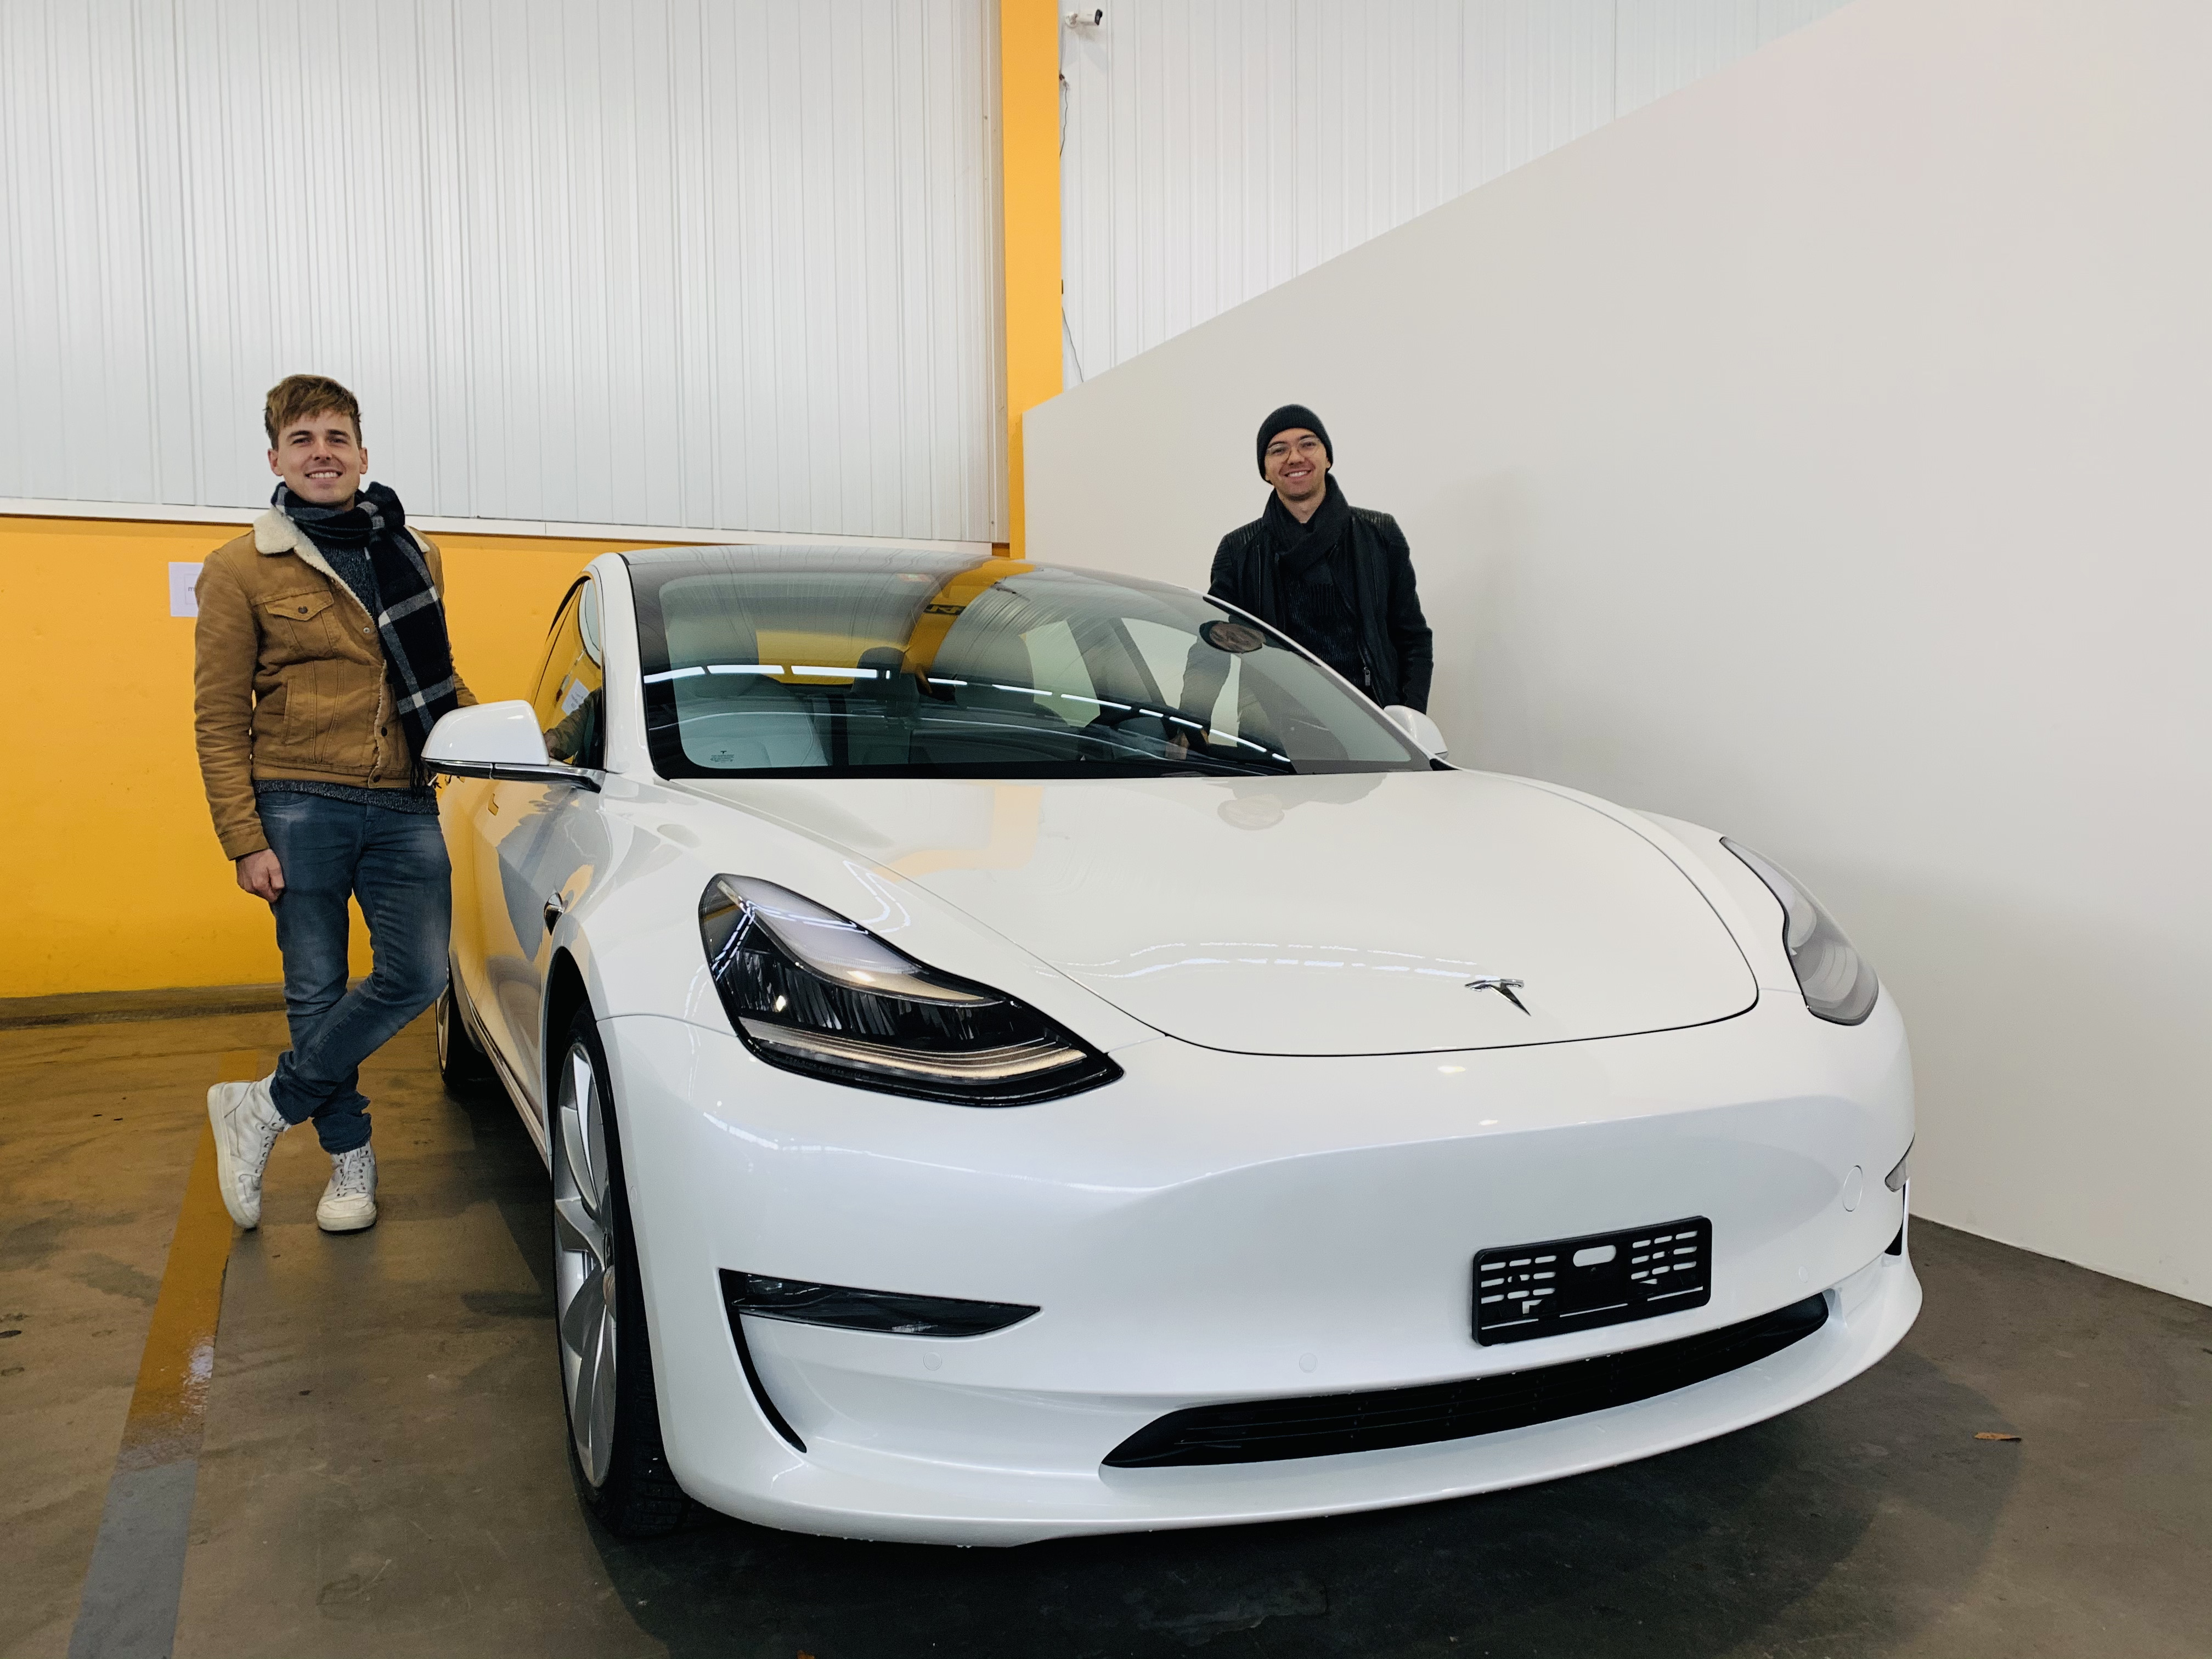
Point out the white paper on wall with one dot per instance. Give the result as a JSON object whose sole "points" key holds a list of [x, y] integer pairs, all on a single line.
{"points": [[183, 578]]}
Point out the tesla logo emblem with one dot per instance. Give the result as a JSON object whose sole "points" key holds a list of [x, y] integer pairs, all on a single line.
{"points": [[1504, 988]]}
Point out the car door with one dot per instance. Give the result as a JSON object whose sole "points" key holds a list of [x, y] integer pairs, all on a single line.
{"points": [[461, 802], [538, 845]]}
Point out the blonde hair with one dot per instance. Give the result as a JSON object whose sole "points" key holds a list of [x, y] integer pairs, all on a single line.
{"points": [[299, 395]]}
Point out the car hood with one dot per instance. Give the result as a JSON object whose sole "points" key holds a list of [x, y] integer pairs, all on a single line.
{"points": [[1317, 915]]}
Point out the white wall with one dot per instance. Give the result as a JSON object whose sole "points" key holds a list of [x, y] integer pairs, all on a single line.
{"points": [[718, 264], [1819, 454], [1212, 148]]}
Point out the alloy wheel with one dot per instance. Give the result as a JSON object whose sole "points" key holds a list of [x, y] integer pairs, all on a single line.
{"points": [[584, 1262]]}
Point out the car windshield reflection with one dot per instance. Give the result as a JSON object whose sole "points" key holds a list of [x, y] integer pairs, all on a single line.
{"points": [[887, 663]]}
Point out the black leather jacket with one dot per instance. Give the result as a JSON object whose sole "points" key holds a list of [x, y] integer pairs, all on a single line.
{"points": [[1394, 638]]}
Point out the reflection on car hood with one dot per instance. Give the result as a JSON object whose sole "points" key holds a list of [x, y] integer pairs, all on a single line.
{"points": [[1317, 915]]}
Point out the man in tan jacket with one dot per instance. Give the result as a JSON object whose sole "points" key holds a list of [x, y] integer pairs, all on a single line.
{"points": [[322, 663]]}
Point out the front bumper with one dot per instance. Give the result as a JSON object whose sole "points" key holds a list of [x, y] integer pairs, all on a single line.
{"points": [[1223, 1226]]}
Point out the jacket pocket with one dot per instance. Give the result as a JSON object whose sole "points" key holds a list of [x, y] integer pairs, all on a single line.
{"points": [[297, 627], [272, 730]]}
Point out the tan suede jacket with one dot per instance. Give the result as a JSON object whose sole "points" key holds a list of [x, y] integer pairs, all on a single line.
{"points": [[289, 679]]}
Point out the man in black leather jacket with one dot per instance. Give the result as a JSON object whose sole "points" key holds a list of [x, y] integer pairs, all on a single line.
{"points": [[1336, 578]]}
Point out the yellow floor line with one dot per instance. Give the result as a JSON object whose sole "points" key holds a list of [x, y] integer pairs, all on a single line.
{"points": [[168, 1405], [128, 1609]]}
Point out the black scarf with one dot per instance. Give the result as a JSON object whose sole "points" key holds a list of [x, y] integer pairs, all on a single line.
{"points": [[410, 623], [1299, 547]]}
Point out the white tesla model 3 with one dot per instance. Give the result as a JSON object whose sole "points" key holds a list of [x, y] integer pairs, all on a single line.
{"points": [[1022, 1051]]}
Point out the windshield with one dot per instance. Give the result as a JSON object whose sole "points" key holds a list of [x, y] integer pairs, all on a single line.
{"points": [[882, 663]]}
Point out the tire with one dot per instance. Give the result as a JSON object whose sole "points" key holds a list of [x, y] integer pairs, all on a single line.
{"points": [[461, 1063], [612, 1409]]}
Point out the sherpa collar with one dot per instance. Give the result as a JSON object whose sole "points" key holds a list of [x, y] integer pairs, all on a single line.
{"points": [[273, 533]]}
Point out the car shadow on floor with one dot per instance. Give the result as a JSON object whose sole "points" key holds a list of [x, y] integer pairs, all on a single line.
{"points": [[1757, 1541], [503, 1164]]}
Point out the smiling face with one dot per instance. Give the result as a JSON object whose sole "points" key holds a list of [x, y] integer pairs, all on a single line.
{"points": [[1296, 464], [320, 457]]}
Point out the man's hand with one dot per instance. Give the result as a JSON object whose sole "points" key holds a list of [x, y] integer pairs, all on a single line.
{"points": [[260, 874]]}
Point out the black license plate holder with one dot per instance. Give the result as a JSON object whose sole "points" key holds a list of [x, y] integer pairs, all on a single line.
{"points": [[1523, 1291]]}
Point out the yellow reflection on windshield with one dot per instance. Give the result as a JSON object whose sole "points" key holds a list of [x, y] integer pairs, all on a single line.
{"points": [[945, 605]]}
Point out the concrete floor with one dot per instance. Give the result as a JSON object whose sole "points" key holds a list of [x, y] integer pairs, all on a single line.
{"points": [[382, 1470]]}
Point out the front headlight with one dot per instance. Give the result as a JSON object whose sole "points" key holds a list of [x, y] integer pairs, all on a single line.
{"points": [[809, 991], [1837, 982]]}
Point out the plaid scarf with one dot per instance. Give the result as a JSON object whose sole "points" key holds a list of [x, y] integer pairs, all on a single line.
{"points": [[410, 623]]}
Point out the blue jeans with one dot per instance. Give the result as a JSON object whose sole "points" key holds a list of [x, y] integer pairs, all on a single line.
{"points": [[395, 862]]}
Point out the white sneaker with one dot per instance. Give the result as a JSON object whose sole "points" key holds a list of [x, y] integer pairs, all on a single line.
{"points": [[247, 1124], [349, 1201]]}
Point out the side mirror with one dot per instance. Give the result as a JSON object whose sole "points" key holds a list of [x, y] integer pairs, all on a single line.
{"points": [[1419, 728], [499, 740]]}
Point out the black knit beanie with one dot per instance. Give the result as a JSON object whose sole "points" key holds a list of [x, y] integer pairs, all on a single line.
{"points": [[1288, 418]]}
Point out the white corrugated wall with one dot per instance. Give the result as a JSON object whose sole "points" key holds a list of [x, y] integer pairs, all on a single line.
{"points": [[714, 263], [717, 265], [1212, 148]]}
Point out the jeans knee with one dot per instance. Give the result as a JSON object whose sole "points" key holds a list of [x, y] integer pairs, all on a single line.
{"points": [[412, 985], [304, 1013], [422, 990]]}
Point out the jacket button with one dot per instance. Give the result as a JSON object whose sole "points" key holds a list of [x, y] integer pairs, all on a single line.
{"points": [[303, 609]]}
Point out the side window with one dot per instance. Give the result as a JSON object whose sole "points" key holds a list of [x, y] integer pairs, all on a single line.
{"points": [[571, 685]]}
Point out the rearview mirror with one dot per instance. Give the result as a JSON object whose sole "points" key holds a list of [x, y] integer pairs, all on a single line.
{"points": [[499, 740], [1419, 728]]}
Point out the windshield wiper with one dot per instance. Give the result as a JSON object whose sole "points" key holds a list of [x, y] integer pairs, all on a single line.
{"points": [[1197, 765]]}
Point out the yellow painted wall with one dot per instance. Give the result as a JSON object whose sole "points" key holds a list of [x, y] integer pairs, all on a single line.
{"points": [[118, 882], [1028, 163]]}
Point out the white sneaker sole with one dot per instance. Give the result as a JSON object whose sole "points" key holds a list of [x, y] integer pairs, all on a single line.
{"points": [[346, 1217], [226, 1166]]}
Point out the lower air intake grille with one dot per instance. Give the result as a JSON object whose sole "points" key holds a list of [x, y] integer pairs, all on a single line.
{"points": [[1318, 1426]]}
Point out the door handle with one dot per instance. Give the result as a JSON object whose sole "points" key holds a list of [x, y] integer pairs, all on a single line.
{"points": [[556, 908]]}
